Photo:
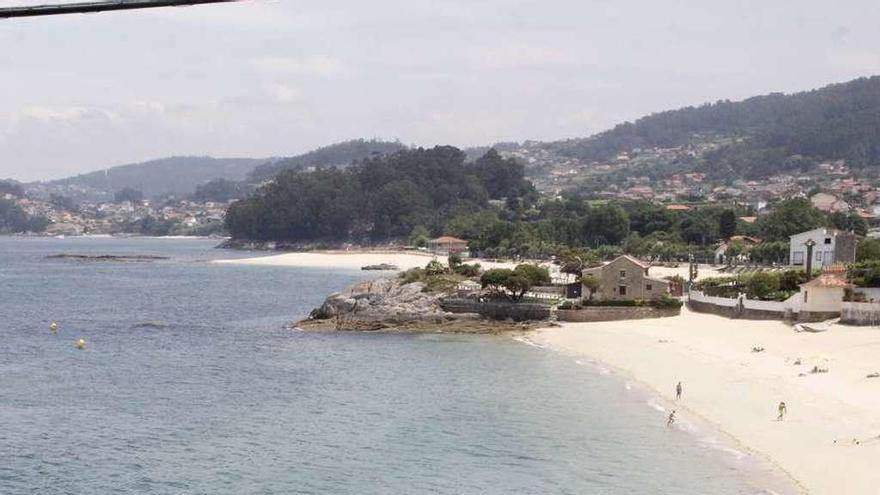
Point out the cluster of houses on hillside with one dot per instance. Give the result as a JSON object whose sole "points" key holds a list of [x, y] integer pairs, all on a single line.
{"points": [[111, 217]]}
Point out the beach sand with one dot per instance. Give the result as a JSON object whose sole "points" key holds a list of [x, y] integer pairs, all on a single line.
{"points": [[353, 260], [405, 260], [738, 390]]}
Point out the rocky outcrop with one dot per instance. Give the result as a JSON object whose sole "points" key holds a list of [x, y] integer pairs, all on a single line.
{"points": [[387, 267], [388, 304], [380, 298], [107, 257]]}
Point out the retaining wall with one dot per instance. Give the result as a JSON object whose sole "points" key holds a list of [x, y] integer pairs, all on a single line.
{"points": [[614, 313], [498, 310], [856, 313], [749, 309]]}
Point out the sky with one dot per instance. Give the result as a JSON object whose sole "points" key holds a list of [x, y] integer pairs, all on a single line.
{"points": [[265, 78]]}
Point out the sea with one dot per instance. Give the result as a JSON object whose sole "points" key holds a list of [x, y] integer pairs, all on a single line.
{"points": [[192, 381]]}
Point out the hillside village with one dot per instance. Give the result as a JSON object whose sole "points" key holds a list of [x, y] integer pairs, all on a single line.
{"points": [[146, 217], [638, 174]]}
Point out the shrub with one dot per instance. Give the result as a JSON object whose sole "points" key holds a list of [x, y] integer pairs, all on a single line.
{"points": [[624, 302], [790, 280], [468, 270], [666, 301], [517, 286], [592, 283], [761, 284], [434, 267], [454, 260], [536, 275], [442, 283], [868, 249], [494, 279], [413, 275]]}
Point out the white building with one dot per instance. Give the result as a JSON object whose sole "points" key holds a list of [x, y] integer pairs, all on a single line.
{"points": [[831, 246]]}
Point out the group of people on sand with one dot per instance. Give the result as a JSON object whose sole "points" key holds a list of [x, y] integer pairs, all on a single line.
{"points": [[781, 408]]}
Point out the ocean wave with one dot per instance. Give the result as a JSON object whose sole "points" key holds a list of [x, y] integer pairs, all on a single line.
{"points": [[715, 444], [527, 341]]}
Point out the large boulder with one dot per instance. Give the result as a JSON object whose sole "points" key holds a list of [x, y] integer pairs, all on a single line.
{"points": [[379, 299]]}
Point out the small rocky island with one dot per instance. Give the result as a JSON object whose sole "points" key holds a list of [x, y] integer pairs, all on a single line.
{"points": [[436, 298], [390, 304], [463, 298], [130, 258]]}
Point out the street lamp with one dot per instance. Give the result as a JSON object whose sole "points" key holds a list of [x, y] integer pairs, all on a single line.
{"points": [[810, 243]]}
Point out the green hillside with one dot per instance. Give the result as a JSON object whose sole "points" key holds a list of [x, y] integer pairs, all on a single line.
{"points": [[176, 175], [338, 155], [772, 133]]}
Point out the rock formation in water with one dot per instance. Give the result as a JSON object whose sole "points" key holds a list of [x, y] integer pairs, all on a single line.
{"points": [[389, 304]]}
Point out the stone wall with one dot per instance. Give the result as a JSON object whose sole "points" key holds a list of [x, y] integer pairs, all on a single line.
{"points": [[743, 312], [615, 313], [498, 310], [855, 313], [711, 308]]}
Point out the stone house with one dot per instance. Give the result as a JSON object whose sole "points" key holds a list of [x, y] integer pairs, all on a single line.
{"points": [[832, 246], [625, 278]]}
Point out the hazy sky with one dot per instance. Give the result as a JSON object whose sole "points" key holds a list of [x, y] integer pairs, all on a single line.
{"points": [[270, 78]]}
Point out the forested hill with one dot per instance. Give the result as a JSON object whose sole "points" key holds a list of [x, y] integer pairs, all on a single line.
{"points": [[413, 192], [334, 155], [771, 133], [176, 175]]}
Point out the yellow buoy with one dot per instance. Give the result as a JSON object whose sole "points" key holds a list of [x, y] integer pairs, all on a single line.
{"points": [[53, 326], [81, 344]]}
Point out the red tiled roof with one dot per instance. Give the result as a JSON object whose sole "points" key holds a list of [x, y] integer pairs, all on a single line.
{"points": [[448, 240]]}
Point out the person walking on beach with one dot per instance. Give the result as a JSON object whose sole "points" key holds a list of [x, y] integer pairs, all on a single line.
{"points": [[781, 409], [671, 419], [678, 391]]}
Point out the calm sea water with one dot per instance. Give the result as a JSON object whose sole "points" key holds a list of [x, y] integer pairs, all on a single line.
{"points": [[221, 399]]}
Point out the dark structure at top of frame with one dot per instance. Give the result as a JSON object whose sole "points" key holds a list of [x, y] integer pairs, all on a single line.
{"points": [[101, 6]]}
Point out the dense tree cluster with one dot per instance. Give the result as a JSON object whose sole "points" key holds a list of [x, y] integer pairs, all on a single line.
{"points": [[14, 220], [128, 194], [380, 198], [11, 187], [218, 190]]}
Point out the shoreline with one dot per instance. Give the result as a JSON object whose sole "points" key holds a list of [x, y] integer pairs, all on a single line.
{"points": [[406, 259], [735, 391], [710, 435], [354, 259]]}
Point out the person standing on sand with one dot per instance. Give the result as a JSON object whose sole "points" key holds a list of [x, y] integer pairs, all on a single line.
{"points": [[781, 409], [671, 419], [678, 391]]}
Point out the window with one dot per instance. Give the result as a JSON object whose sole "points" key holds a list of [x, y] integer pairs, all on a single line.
{"points": [[818, 255], [622, 273], [827, 240], [797, 258], [622, 290], [648, 287], [806, 293]]}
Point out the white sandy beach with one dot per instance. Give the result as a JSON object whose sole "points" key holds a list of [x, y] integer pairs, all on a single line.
{"points": [[738, 390], [353, 260], [356, 259]]}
